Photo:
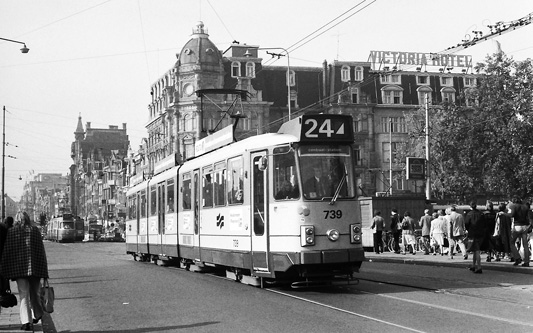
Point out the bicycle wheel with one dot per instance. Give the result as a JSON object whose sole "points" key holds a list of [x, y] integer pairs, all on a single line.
{"points": [[391, 244], [421, 245]]}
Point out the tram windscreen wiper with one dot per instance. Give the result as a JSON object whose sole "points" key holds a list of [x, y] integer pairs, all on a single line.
{"points": [[338, 190]]}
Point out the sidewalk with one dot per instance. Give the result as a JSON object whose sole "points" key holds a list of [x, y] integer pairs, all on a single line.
{"points": [[437, 260], [10, 319]]}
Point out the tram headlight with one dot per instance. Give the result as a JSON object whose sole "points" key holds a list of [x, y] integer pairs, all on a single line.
{"points": [[333, 234], [307, 235], [355, 234]]}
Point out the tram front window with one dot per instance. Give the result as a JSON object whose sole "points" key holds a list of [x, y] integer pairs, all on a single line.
{"points": [[327, 172], [68, 225]]}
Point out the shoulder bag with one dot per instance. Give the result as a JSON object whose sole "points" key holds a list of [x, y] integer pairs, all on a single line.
{"points": [[47, 297]]}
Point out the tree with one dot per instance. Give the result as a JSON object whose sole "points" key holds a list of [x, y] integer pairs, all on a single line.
{"points": [[486, 149]]}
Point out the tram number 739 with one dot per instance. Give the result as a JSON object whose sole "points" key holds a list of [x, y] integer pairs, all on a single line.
{"points": [[333, 214]]}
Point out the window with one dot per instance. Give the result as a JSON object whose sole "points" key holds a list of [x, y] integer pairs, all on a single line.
{"points": [[398, 182], [219, 184], [170, 196], [392, 94], [132, 207], [448, 95], [207, 186], [285, 179], [354, 92], [422, 79], [250, 69], [446, 81], [153, 201], [235, 69], [356, 125], [235, 177], [358, 73], [345, 73], [424, 92], [386, 151], [186, 191], [143, 203], [391, 78], [357, 155], [397, 124], [469, 81], [291, 78]]}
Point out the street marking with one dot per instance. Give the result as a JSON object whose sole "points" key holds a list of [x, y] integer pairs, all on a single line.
{"points": [[345, 311], [492, 317]]}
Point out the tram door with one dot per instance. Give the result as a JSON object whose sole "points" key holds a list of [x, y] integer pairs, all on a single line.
{"points": [[196, 212], [259, 202], [161, 215]]}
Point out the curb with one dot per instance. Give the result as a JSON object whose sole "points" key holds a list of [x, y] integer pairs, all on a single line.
{"points": [[445, 262]]}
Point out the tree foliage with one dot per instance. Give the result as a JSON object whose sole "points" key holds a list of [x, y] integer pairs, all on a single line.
{"points": [[486, 149]]}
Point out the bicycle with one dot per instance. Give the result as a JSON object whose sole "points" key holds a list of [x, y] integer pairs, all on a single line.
{"points": [[388, 243]]}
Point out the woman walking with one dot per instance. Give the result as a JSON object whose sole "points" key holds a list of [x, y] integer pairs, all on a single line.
{"points": [[24, 260]]}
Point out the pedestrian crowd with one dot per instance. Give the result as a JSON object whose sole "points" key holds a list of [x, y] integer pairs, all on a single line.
{"points": [[504, 234], [23, 259]]}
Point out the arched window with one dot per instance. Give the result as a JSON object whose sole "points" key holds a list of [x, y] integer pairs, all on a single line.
{"points": [[235, 69], [250, 69], [358, 73], [345, 73], [392, 94], [423, 92], [448, 94]]}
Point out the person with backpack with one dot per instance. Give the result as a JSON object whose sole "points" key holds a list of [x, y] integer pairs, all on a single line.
{"points": [[396, 229], [408, 232]]}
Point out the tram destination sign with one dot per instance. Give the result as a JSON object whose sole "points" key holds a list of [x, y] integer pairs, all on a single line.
{"points": [[320, 128]]}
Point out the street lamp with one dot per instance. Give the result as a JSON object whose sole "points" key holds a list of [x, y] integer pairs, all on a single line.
{"points": [[24, 49], [288, 72]]}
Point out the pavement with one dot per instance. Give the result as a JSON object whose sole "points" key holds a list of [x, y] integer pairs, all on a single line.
{"points": [[10, 322], [505, 265], [10, 319]]}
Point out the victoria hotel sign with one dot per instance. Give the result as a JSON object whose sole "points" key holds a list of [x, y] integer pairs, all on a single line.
{"points": [[380, 59]]}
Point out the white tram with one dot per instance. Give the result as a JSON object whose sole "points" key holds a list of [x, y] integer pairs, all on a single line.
{"points": [[277, 206]]}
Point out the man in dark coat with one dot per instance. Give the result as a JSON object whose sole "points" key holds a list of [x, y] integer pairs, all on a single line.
{"points": [[475, 225]]}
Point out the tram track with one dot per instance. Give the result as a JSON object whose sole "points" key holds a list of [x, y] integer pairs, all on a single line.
{"points": [[492, 317]]}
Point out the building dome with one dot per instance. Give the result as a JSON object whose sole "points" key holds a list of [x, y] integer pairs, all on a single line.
{"points": [[199, 49]]}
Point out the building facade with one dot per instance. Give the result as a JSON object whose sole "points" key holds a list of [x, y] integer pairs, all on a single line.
{"points": [[376, 93], [97, 175]]}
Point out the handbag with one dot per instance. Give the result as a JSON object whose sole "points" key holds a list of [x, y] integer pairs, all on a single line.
{"points": [[7, 299], [47, 297]]}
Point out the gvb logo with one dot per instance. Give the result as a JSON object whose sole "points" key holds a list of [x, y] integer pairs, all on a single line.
{"points": [[220, 221]]}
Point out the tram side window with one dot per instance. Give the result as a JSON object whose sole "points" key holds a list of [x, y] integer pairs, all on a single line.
{"points": [[235, 178], [207, 186], [170, 196], [132, 208], [285, 179], [186, 191], [143, 203], [219, 184], [153, 201]]}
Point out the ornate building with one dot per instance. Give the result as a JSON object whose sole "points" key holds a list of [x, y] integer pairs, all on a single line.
{"points": [[97, 178], [376, 93]]}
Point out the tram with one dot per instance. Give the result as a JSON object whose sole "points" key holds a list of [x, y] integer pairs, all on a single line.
{"points": [[273, 207], [62, 228]]}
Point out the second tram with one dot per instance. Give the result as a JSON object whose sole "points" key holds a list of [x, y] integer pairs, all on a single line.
{"points": [[62, 228], [278, 206]]}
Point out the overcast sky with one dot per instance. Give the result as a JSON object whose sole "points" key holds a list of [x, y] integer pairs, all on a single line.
{"points": [[98, 58]]}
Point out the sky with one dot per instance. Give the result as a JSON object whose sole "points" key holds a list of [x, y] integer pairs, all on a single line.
{"points": [[98, 58]]}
